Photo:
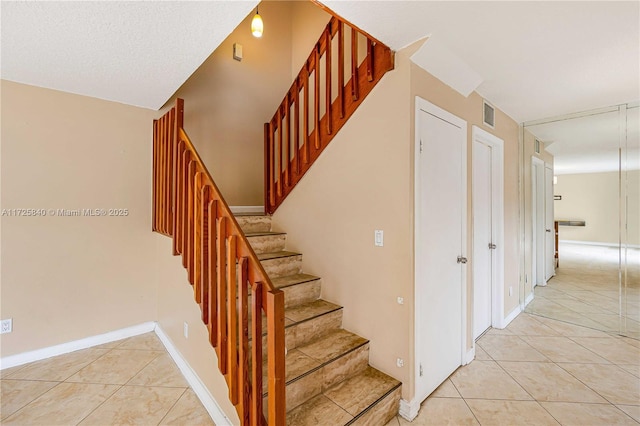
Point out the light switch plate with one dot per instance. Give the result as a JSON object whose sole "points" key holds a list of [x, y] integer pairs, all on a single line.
{"points": [[379, 238], [237, 51]]}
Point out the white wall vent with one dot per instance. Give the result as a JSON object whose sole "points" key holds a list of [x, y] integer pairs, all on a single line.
{"points": [[488, 114]]}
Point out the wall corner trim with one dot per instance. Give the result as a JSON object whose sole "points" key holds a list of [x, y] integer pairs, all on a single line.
{"points": [[205, 397], [510, 317], [470, 356], [409, 410], [65, 348]]}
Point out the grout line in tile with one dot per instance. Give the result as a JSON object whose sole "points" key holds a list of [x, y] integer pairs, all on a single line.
{"points": [[25, 405], [173, 405], [589, 387], [101, 404]]}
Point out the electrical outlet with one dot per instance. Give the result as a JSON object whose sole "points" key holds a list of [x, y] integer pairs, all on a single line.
{"points": [[510, 291], [400, 362], [185, 330], [400, 300], [7, 326]]}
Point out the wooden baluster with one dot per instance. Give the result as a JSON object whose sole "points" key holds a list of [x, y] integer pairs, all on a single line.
{"points": [[289, 139], [232, 320], [268, 169], [275, 331], [204, 255], [327, 54], [154, 210], [169, 184], [354, 64], [341, 67], [256, 354], [190, 220], [165, 166], [179, 123], [161, 173], [212, 326], [177, 218], [316, 100], [307, 152], [221, 267], [243, 355], [296, 124], [369, 60], [197, 237], [175, 206], [280, 126], [186, 159]]}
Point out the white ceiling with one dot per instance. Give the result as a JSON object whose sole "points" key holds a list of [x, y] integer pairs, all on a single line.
{"points": [[590, 143], [138, 53], [536, 59]]}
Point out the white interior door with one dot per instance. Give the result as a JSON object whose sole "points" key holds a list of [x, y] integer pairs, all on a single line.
{"points": [[483, 242], [549, 252], [439, 241]]}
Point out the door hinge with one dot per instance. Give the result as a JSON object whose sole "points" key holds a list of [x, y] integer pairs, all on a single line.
{"points": [[492, 246], [420, 369], [420, 146], [462, 259]]}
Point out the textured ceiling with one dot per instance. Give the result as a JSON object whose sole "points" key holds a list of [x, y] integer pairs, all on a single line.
{"points": [[137, 53], [536, 59]]}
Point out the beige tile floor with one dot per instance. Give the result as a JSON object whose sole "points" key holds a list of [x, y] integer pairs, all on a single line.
{"points": [[585, 290], [132, 381], [540, 371]]}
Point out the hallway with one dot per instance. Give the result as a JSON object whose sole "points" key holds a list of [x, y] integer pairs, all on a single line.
{"points": [[540, 371]]}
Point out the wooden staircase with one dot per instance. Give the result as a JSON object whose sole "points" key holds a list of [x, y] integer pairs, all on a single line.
{"points": [[328, 378]]}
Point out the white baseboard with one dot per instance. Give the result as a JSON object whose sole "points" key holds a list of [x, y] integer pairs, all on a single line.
{"points": [[64, 348], [529, 298], [247, 209], [512, 315], [209, 402], [470, 355], [594, 243], [409, 410]]}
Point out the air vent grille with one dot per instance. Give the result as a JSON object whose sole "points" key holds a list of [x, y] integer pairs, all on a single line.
{"points": [[488, 114]]}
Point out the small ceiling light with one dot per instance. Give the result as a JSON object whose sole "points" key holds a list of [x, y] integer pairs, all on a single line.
{"points": [[257, 26]]}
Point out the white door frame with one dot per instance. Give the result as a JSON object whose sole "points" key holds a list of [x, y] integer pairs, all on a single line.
{"points": [[537, 224], [549, 244], [497, 221], [436, 111]]}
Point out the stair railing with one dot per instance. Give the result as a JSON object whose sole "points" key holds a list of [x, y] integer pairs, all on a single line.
{"points": [[319, 103], [223, 270]]}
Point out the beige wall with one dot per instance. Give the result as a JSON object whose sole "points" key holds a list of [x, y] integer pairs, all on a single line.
{"points": [[68, 278], [227, 102], [65, 278], [593, 197], [364, 181]]}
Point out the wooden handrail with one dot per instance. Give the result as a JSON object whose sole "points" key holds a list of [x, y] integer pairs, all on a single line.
{"points": [[289, 155], [223, 270]]}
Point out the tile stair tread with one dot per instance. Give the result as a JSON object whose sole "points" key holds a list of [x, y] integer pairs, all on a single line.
{"points": [[346, 400], [332, 345], [291, 280], [277, 255], [300, 313], [263, 234], [307, 311], [307, 358]]}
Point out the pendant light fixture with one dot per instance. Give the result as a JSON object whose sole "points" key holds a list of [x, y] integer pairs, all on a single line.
{"points": [[257, 26]]}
